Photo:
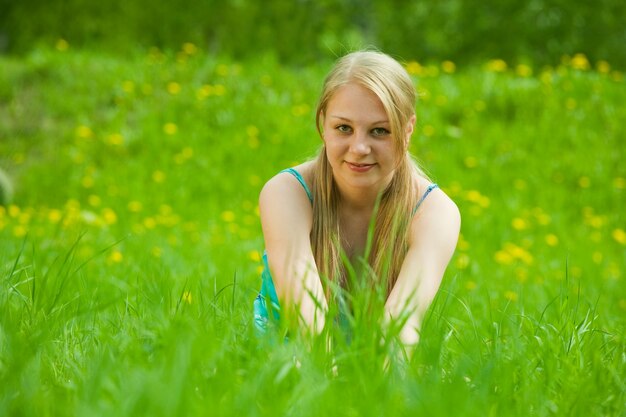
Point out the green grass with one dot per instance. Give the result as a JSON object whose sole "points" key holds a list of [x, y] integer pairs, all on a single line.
{"points": [[129, 259]]}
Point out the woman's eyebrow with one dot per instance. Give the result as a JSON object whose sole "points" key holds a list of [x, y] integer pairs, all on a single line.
{"points": [[349, 120]]}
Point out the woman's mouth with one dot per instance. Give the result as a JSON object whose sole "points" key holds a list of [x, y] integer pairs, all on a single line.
{"points": [[359, 167]]}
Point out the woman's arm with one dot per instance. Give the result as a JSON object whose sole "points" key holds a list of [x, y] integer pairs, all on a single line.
{"points": [[432, 240], [286, 218]]}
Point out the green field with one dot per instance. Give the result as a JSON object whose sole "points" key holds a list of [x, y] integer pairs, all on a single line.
{"points": [[130, 254]]}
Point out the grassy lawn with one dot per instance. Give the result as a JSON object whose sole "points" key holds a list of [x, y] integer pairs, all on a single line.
{"points": [[130, 255]]}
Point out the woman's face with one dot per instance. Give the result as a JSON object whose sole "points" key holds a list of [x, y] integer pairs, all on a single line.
{"points": [[359, 143]]}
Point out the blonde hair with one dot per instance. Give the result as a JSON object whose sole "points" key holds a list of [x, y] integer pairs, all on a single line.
{"points": [[386, 78]]}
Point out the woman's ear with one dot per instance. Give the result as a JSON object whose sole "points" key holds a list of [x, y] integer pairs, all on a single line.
{"points": [[410, 127], [320, 125]]}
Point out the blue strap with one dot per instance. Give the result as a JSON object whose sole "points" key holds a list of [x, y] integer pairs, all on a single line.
{"points": [[428, 190], [301, 181]]}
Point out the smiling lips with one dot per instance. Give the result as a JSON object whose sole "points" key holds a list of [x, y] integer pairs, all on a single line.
{"points": [[359, 167]]}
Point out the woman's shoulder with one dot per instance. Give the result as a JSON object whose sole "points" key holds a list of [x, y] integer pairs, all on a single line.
{"points": [[285, 188], [437, 214]]}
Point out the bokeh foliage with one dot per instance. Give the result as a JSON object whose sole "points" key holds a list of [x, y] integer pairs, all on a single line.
{"points": [[537, 32]]}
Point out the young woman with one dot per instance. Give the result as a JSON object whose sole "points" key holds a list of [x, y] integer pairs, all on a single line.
{"points": [[320, 211]]}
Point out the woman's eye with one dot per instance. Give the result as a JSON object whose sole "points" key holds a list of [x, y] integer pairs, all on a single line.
{"points": [[343, 128], [380, 131]]}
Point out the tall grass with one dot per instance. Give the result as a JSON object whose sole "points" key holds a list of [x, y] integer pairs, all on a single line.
{"points": [[129, 259]]}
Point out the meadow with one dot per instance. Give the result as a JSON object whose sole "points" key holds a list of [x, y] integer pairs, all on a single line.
{"points": [[130, 254]]}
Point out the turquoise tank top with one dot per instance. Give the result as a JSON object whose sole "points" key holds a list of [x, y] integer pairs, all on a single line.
{"points": [[266, 302]]}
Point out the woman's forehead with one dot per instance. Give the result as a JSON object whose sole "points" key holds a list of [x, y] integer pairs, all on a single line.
{"points": [[354, 102]]}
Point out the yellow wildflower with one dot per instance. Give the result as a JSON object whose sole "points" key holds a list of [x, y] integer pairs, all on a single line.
{"points": [[94, 200], [54, 216], [471, 162], [414, 68], [428, 130], [222, 70], [115, 139], [519, 224], [523, 70], [620, 236], [116, 256], [189, 48], [254, 256], [149, 223], [552, 239], [87, 181], [109, 216], [158, 176], [448, 67], [619, 183], [510, 295], [62, 45], [128, 86], [170, 128], [228, 216], [187, 297], [173, 88], [14, 211], [462, 261], [597, 257], [570, 104], [503, 257], [580, 62], [19, 230], [496, 65], [84, 132], [603, 67], [135, 206]]}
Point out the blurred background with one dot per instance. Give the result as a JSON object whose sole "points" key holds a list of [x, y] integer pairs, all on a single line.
{"points": [[536, 32]]}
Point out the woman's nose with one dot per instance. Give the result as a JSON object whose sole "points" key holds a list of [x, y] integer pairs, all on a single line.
{"points": [[359, 144]]}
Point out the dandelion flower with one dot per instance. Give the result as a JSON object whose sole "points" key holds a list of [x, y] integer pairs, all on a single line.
{"points": [[128, 86], [135, 206], [428, 130], [254, 256], [54, 216], [170, 129], [189, 48], [462, 261], [580, 62], [620, 236], [551, 239], [414, 68], [496, 65], [448, 67], [597, 257], [116, 256], [20, 230], [109, 216], [228, 216], [84, 132], [62, 45], [523, 70], [158, 176], [519, 224], [173, 88], [510, 295], [603, 67], [94, 200], [471, 162]]}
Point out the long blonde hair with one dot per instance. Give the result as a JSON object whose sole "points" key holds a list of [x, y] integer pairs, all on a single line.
{"points": [[386, 78]]}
